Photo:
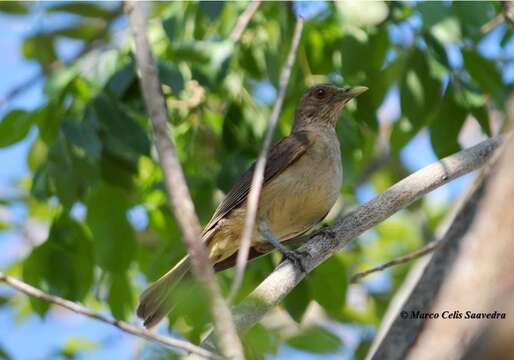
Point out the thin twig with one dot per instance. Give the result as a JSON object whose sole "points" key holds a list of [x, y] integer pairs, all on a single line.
{"points": [[491, 24], [508, 11], [178, 193], [258, 175], [174, 344], [399, 260], [243, 20]]}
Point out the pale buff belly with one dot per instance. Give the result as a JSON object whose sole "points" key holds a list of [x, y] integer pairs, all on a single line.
{"points": [[291, 204]]}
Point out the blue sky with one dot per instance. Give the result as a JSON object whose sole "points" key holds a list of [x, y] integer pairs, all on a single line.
{"points": [[51, 333]]}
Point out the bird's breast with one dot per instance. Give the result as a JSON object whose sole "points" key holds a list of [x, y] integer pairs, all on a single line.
{"points": [[304, 193]]}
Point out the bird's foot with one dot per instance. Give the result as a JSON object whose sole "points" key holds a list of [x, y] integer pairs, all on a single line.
{"points": [[296, 257]]}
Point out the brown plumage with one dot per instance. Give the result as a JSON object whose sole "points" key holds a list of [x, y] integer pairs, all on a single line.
{"points": [[302, 179]]}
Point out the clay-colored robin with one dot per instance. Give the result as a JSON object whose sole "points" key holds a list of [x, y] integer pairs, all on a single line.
{"points": [[302, 181]]}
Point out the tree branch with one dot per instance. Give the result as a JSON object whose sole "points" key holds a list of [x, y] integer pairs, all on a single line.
{"points": [[396, 335], [326, 242], [178, 193], [174, 344], [243, 20], [258, 175], [428, 248], [482, 277]]}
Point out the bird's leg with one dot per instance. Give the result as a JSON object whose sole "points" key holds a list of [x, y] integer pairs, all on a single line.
{"points": [[294, 256]]}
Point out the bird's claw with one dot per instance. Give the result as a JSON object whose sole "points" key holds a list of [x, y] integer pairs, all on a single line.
{"points": [[296, 257]]}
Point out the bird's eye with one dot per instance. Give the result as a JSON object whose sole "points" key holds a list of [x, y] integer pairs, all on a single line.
{"points": [[320, 93]]}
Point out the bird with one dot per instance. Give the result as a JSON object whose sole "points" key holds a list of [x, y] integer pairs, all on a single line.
{"points": [[302, 181]]}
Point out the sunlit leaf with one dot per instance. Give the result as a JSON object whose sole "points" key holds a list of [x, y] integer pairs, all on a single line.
{"points": [[57, 83], [363, 13], [84, 8], [40, 47], [121, 298]]}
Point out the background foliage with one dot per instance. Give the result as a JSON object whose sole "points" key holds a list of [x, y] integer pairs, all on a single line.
{"points": [[432, 68]]}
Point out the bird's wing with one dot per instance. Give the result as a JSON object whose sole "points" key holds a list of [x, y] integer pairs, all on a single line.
{"points": [[280, 156]]}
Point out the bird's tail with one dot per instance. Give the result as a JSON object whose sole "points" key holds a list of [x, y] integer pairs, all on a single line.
{"points": [[155, 301]]}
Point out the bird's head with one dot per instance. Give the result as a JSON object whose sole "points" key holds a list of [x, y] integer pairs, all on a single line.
{"points": [[321, 104]]}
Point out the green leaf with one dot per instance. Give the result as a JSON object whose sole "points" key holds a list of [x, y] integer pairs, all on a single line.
{"points": [[444, 130], [366, 55], [13, 7], [212, 9], [419, 99], [40, 187], [317, 340], [360, 13], [48, 119], [190, 300], [213, 54], [76, 346], [481, 115], [122, 80], [123, 138], [40, 47], [14, 127], [64, 180], [57, 83], [297, 301], [170, 26], [86, 9], [473, 15], [4, 355], [114, 237], [121, 297], [231, 170], [85, 30], [170, 75], [474, 101], [63, 265], [84, 135], [485, 73], [437, 49], [432, 12], [259, 341], [328, 284]]}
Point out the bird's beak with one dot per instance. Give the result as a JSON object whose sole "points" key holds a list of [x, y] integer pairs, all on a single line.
{"points": [[356, 91], [345, 95]]}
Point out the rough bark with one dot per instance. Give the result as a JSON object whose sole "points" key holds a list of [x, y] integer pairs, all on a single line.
{"points": [[482, 278]]}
